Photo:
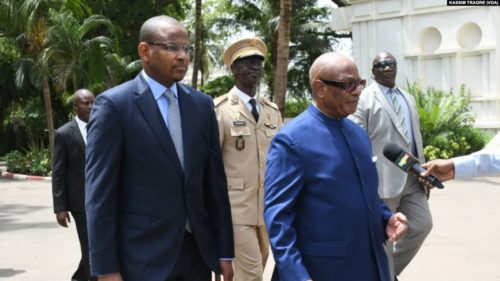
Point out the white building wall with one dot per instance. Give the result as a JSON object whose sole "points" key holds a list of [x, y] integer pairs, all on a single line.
{"points": [[441, 46]]}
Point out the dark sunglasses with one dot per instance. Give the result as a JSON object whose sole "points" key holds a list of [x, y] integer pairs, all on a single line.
{"points": [[171, 47], [384, 64], [348, 86]]}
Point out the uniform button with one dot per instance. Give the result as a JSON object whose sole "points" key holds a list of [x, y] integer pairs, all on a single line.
{"points": [[370, 207], [261, 165]]}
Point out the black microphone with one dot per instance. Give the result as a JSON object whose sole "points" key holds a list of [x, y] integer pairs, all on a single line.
{"points": [[407, 162]]}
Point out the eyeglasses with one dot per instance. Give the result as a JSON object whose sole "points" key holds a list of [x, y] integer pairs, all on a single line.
{"points": [[348, 86], [171, 47], [384, 64]]}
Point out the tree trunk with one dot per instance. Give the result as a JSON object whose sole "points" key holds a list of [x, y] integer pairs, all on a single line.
{"points": [[48, 112], [280, 84], [197, 44]]}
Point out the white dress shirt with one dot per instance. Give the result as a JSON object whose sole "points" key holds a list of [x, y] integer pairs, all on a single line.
{"points": [[83, 128], [246, 100], [158, 91]]}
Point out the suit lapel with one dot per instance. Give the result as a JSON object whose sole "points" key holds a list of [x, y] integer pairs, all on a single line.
{"points": [[77, 135], [149, 108], [241, 107], [390, 110]]}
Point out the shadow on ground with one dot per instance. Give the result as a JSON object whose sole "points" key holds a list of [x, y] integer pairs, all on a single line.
{"points": [[9, 272], [10, 215]]}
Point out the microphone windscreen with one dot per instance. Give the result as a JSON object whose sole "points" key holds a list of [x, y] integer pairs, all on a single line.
{"points": [[392, 151]]}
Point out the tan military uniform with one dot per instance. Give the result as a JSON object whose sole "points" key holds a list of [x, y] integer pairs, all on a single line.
{"points": [[244, 146]]}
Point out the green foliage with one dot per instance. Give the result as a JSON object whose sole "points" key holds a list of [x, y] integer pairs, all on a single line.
{"points": [[38, 159], [218, 86], [15, 162], [34, 161], [128, 17], [31, 116], [295, 107], [75, 57], [446, 121], [309, 37]]}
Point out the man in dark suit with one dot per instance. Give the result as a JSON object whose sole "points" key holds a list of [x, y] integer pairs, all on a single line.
{"points": [[156, 194], [68, 175]]}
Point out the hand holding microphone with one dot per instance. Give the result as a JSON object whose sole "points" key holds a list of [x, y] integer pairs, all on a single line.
{"points": [[408, 163]]}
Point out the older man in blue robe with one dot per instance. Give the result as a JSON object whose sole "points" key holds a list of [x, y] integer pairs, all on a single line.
{"points": [[322, 210]]}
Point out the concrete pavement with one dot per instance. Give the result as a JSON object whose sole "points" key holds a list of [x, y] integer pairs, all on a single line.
{"points": [[463, 246]]}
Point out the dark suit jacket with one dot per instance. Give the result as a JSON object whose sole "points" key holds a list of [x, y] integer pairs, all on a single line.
{"points": [[68, 169], [138, 195]]}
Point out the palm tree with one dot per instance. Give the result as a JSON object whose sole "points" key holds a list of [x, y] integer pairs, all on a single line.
{"points": [[281, 73], [209, 40], [197, 43], [120, 69], [27, 20], [307, 41], [76, 58]]}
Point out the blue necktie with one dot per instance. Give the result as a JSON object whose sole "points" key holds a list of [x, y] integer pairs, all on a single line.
{"points": [[175, 124], [175, 129]]}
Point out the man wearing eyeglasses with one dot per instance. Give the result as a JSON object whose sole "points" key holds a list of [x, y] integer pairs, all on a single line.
{"points": [[389, 114], [247, 123], [156, 194], [321, 205]]}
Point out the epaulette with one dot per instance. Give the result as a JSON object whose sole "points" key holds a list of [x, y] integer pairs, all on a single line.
{"points": [[220, 100], [270, 103]]}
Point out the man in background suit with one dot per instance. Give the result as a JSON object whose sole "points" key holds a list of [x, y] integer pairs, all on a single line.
{"points": [[156, 194], [321, 206], [389, 114], [68, 176], [247, 123]]}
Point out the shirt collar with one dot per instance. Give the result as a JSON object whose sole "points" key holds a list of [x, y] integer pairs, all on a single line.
{"points": [[244, 97], [156, 88], [384, 89], [81, 124]]}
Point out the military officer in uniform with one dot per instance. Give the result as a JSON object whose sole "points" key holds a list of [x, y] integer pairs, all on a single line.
{"points": [[247, 123]]}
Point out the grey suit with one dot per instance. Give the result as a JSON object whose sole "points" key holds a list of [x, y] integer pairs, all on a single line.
{"points": [[401, 192]]}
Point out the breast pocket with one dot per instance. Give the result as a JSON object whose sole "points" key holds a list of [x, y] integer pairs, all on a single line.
{"points": [[271, 132], [240, 131]]}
